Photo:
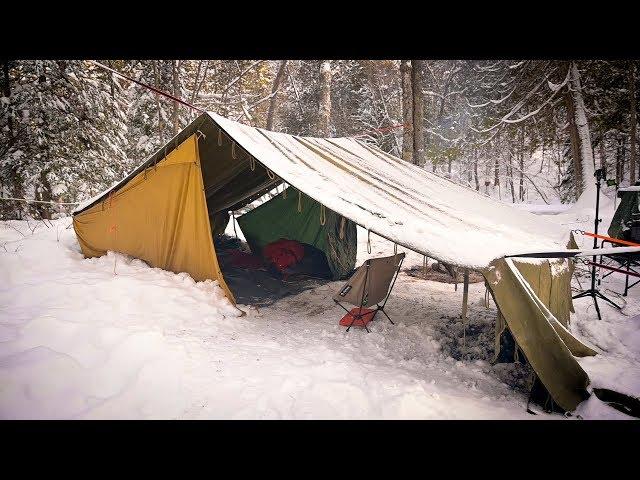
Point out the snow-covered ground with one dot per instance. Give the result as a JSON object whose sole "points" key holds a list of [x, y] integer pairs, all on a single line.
{"points": [[112, 338]]}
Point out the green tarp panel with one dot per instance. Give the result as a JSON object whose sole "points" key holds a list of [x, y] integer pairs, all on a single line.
{"points": [[628, 206], [295, 216]]}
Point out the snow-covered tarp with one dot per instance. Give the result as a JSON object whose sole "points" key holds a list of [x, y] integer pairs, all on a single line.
{"points": [[388, 196], [403, 202]]}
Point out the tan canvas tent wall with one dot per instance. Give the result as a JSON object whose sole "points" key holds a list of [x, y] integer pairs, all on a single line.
{"points": [[164, 210]]}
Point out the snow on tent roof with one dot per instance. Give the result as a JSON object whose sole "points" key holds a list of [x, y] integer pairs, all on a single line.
{"points": [[393, 198]]}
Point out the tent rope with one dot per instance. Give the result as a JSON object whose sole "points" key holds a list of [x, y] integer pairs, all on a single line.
{"points": [[323, 215], [284, 191], [368, 241], [395, 248], [252, 164], [27, 200], [424, 266], [219, 137], [343, 223], [270, 174], [299, 201], [149, 87], [233, 151]]}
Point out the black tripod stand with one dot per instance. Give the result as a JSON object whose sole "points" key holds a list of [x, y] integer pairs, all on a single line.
{"points": [[593, 291]]}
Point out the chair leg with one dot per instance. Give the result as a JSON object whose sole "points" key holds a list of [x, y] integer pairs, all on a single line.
{"points": [[353, 321], [385, 314]]}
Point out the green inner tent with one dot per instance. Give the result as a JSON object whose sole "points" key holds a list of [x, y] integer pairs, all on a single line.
{"points": [[629, 204], [295, 216]]}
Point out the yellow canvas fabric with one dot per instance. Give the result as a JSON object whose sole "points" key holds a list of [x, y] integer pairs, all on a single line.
{"points": [[518, 288], [159, 216]]}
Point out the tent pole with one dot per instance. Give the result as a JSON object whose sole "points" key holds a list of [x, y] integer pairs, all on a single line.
{"points": [[465, 299]]}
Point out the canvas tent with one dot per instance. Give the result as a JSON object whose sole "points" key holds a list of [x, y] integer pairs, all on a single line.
{"points": [[295, 216], [164, 211]]}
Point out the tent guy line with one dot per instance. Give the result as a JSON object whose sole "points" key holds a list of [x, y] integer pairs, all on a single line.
{"points": [[29, 200]]}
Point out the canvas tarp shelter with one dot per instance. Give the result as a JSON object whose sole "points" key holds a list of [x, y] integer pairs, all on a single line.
{"points": [[162, 211]]}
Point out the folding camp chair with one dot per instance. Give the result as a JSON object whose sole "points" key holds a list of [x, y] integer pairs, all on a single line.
{"points": [[371, 284]]}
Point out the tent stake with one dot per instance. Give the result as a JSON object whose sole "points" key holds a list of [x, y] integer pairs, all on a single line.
{"points": [[465, 299]]}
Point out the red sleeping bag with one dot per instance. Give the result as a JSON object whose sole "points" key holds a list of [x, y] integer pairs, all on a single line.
{"points": [[283, 253]]}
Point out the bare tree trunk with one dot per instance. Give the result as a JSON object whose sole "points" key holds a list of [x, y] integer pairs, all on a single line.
{"points": [[521, 184], [199, 81], [273, 103], [418, 112], [111, 84], [510, 173], [44, 193], [475, 168], [580, 136], [295, 90], [496, 173], [632, 133], [157, 80], [603, 157], [623, 157], [324, 102], [618, 160], [575, 145], [407, 110], [6, 91], [176, 105]]}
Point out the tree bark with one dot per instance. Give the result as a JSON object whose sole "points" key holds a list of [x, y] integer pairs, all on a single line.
{"points": [[575, 145], [603, 157], [324, 101], [510, 173], [618, 175], [521, 184], [157, 80], [580, 136], [6, 92], [475, 168], [273, 103], [632, 133], [418, 112], [176, 125], [407, 110]]}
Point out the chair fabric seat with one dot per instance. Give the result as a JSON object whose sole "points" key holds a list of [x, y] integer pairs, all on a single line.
{"points": [[351, 318]]}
